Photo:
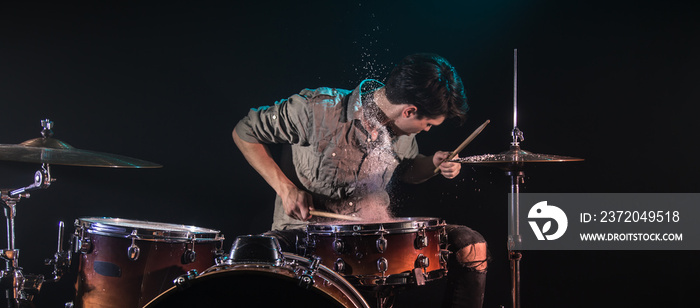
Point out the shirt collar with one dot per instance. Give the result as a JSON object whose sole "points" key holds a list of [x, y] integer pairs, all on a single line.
{"points": [[361, 97]]}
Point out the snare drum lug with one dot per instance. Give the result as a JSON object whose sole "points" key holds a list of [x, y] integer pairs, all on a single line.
{"points": [[338, 246], [189, 256], [444, 256], [381, 244], [382, 265], [421, 241], [133, 252], [422, 261], [443, 237], [339, 266], [82, 245]]}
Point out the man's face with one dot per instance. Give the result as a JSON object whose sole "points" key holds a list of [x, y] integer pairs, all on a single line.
{"points": [[409, 123]]}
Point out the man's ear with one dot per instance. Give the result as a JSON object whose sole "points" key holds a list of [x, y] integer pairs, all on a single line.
{"points": [[409, 111]]}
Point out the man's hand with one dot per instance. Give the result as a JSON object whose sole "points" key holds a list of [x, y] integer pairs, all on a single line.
{"points": [[448, 169], [296, 203]]}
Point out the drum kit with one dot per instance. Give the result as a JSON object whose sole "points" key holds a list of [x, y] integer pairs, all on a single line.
{"points": [[132, 263]]}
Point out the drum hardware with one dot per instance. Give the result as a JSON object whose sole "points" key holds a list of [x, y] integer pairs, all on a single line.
{"points": [[256, 248], [422, 262], [130, 262], [368, 259], [61, 260], [18, 286], [81, 242], [21, 287], [306, 279], [381, 243], [219, 255], [338, 246], [257, 265], [512, 162], [340, 266], [444, 256], [420, 271], [304, 245], [382, 267], [421, 240], [183, 281], [133, 251], [189, 256]]}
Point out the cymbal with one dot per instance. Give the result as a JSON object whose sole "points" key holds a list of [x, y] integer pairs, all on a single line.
{"points": [[52, 151], [515, 156]]}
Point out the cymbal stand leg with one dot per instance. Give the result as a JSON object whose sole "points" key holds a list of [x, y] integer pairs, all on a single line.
{"points": [[11, 276], [10, 213], [515, 257], [514, 238]]}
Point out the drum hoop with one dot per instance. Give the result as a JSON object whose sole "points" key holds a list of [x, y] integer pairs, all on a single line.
{"points": [[406, 225], [337, 278], [126, 228], [291, 261], [405, 278]]}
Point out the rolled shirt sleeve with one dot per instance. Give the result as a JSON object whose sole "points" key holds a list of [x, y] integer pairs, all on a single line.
{"points": [[287, 121]]}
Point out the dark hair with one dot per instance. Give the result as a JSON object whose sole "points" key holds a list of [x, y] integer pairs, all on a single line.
{"points": [[430, 83]]}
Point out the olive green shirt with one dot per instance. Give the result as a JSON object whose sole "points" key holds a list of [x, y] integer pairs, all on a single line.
{"points": [[333, 156]]}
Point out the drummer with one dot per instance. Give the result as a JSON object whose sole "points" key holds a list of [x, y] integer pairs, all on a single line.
{"points": [[343, 146]]}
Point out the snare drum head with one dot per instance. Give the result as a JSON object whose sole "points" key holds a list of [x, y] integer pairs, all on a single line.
{"points": [[147, 230], [395, 225]]}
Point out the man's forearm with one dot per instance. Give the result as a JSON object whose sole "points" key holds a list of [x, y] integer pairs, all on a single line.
{"points": [[259, 157]]}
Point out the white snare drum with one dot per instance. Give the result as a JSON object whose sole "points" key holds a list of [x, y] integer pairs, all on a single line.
{"points": [[126, 263]]}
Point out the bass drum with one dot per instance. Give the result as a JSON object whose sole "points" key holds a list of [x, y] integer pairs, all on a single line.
{"points": [[288, 281]]}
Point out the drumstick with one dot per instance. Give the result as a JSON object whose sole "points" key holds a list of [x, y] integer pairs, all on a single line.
{"points": [[334, 215], [463, 145]]}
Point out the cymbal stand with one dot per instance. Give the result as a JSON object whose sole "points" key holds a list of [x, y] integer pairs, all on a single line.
{"points": [[514, 238], [516, 178], [19, 287]]}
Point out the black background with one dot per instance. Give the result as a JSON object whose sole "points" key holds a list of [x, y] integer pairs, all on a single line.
{"points": [[612, 82]]}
